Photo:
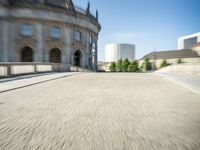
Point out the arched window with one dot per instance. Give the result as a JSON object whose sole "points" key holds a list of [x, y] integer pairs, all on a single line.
{"points": [[26, 30], [55, 32], [78, 36]]}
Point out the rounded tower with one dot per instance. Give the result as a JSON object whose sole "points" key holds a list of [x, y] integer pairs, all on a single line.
{"points": [[54, 31]]}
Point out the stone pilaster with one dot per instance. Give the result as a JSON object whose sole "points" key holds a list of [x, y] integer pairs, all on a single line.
{"points": [[4, 41], [68, 46], [39, 52]]}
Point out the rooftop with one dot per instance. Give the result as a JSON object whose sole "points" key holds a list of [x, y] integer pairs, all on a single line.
{"points": [[172, 54]]}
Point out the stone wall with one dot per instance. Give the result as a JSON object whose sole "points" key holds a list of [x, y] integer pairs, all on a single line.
{"points": [[192, 69], [14, 69], [157, 63]]}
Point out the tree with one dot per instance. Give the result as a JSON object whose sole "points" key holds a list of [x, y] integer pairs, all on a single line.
{"points": [[113, 67], [163, 63], [146, 64], [133, 67], [125, 65], [119, 65], [179, 61]]}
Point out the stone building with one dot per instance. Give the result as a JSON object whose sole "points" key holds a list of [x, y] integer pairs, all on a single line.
{"points": [[171, 56], [54, 31]]}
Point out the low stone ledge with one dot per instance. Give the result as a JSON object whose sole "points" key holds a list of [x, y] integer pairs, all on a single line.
{"points": [[186, 68], [17, 68]]}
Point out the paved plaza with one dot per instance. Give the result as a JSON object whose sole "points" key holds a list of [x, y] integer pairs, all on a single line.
{"points": [[101, 111]]}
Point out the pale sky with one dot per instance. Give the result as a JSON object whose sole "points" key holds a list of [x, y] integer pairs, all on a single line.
{"points": [[152, 25]]}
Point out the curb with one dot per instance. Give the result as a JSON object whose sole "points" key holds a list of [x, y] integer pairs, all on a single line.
{"points": [[35, 83], [184, 85]]}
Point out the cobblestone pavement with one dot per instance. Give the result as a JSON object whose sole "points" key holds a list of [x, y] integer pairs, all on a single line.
{"points": [[101, 112]]}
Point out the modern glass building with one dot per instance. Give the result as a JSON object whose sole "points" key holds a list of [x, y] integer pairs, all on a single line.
{"points": [[186, 42]]}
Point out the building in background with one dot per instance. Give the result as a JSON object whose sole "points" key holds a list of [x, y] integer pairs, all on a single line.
{"points": [[171, 56], [196, 47], [188, 52], [114, 52], [186, 42], [48, 31]]}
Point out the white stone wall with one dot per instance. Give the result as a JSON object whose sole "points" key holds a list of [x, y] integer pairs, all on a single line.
{"points": [[44, 68], [22, 69], [3, 71]]}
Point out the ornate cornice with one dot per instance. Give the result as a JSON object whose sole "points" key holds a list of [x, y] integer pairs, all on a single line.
{"points": [[69, 12]]}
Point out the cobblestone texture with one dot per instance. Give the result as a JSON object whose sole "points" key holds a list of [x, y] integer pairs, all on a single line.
{"points": [[101, 112]]}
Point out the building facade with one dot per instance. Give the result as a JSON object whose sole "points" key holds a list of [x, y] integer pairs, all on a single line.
{"points": [[171, 57], [114, 52], [186, 42], [48, 31]]}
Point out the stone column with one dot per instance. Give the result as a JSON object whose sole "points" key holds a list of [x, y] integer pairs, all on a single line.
{"points": [[39, 52], [87, 51], [67, 46], [45, 47], [94, 54], [84, 50], [4, 49]]}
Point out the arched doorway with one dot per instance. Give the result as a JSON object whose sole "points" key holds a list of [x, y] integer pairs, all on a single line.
{"points": [[27, 54], [77, 58], [55, 55]]}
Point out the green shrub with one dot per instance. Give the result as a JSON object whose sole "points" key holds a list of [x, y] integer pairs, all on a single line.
{"points": [[125, 65], [113, 67], [133, 67], [119, 65], [163, 63], [179, 61], [146, 64]]}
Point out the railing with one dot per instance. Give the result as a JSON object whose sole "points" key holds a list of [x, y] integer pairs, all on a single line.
{"points": [[14, 69]]}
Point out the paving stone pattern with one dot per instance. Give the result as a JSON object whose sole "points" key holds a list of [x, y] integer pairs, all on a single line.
{"points": [[102, 111]]}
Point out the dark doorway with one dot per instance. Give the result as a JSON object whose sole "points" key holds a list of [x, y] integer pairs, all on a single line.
{"points": [[55, 55], [27, 54], [90, 63], [77, 58]]}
